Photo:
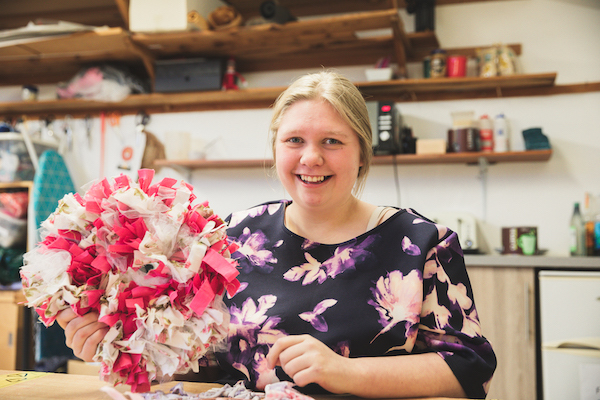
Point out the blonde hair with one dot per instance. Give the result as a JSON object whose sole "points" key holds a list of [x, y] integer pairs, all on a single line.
{"points": [[344, 97]]}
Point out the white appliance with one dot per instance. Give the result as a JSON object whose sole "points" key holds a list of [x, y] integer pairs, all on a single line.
{"points": [[570, 334], [465, 226]]}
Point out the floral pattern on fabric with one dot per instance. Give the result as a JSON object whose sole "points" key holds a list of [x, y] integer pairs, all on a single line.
{"points": [[252, 248], [397, 289], [251, 334], [398, 299], [344, 258], [315, 318]]}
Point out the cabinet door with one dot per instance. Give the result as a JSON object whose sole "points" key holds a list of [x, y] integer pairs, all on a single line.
{"points": [[504, 297], [16, 345], [569, 332]]}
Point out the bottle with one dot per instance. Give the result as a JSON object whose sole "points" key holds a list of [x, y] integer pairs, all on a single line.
{"points": [[486, 133], [577, 233], [589, 215], [500, 134]]}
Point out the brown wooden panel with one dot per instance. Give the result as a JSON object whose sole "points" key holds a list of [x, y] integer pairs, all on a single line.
{"points": [[242, 40], [16, 14]]}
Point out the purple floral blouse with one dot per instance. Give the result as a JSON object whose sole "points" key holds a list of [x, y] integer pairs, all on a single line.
{"points": [[399, 288]]}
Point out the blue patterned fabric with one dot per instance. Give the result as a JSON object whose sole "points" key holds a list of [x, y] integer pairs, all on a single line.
{"points": [[50, 183]]}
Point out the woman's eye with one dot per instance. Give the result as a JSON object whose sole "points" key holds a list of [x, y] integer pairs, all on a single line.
{"points": [[332, 141], [294, 140]]}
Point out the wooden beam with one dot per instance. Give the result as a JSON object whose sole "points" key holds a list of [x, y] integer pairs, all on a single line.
{"points": [[123, 7], [402, 46]]}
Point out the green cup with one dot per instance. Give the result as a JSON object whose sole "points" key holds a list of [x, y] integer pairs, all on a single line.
{"points": [[528, 243]]}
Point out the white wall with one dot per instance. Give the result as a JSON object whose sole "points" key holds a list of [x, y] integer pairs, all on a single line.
{"points": [[560, 36]]}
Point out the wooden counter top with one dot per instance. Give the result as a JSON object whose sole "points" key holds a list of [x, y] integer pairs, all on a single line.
{"points": [[49, 386], [487, 260]]}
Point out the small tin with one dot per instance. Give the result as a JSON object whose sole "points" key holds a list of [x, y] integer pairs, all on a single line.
{"points": [[427, 67], [438, 63]]}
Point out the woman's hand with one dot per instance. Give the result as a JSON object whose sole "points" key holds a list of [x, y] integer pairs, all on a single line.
{"points": [[83, 334], [308, 360]]}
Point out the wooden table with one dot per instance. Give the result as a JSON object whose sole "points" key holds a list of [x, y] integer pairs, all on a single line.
{"points": [[49, 386]]}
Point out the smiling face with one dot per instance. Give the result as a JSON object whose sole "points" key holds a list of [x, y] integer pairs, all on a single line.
{"points": [[318, 155]]}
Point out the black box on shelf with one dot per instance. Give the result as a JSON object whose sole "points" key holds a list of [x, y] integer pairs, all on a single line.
{"points": [[188, 75], [385, 125]]}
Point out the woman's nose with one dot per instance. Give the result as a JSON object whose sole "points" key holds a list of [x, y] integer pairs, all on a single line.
{"points": [[312, 156]]}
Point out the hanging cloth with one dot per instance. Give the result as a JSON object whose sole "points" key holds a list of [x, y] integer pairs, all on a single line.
{"points": [[50, 183]]}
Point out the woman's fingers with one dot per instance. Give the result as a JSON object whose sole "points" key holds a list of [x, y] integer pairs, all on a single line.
{"points": [[282, 344], [304, 358], [65, 316], [83, 334]]}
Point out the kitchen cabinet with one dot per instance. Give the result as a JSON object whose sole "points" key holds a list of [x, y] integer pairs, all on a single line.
{"points": [[16, 337], [504, 297], [16, 340], [508, 301]]}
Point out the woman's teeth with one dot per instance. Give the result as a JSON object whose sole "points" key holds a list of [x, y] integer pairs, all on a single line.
{"points": [[312, 179]]}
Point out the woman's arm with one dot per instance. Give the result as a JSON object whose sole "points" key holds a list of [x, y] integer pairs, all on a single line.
{"points": [[82, 334], [307, 360]]}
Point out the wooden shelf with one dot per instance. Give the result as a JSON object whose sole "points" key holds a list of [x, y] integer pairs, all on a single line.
{"points": [[397, 90], [56, 59], [327, 41], [300, 8], [400, 159], [16, 185]]}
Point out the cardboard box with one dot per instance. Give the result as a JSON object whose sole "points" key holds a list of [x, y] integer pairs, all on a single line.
{"points": [[431, 146], [163, 16], [157, 15]]}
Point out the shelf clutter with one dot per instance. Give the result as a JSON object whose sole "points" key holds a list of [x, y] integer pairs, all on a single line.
{"points": [[328, 40], [333, 38]]}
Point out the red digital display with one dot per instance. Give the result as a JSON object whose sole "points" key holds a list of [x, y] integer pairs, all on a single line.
{"points": [[386, 108]]}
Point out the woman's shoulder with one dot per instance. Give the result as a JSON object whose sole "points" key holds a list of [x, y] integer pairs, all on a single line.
{"points": [[262, 210], [402, 215], [409, 220]]}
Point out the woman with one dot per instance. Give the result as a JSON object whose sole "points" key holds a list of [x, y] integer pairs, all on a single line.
{"points": [[338, 294], [332, 283]]}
